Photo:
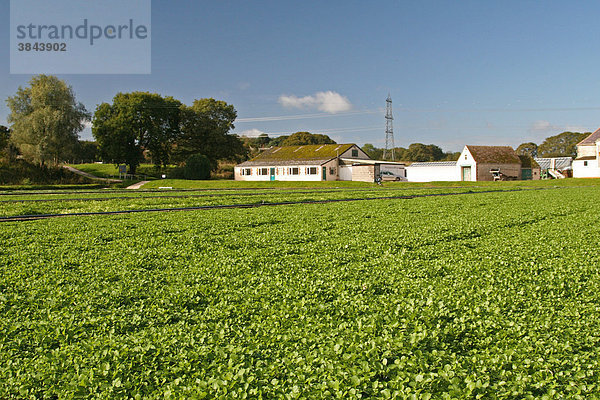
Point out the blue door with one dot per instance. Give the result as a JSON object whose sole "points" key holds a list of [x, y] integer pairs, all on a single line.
{"points": [[272, 174]]}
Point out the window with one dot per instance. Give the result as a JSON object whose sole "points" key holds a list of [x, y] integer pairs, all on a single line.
{"points": [[354, 153], [294, 171], [246, 171], [331, 170], [263, 171], [585, 163], [311, 170]]}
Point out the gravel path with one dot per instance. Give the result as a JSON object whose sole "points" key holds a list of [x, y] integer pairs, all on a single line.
{"points": [[137, 185], [87, 175]]}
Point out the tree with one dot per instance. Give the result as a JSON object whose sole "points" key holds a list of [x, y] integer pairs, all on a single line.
{"points": [[306, 138], [136, 122], [451, 156], [372, 151], [423, 152], [278, 141], [46, 119], [561, 145], [263, 140], [527, 149], [205, 130], [4, 137], [87, 151], [197, 167]]}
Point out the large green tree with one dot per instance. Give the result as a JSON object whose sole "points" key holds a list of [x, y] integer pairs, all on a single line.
{"points": [[306, 138], [422, 152], [529, 149], [134, 123], [561, 145], [46, 119], [205, 128]]}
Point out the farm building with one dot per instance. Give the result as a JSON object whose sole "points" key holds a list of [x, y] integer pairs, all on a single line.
{"points": [[483, 163], [476, 163], [319, 162], [530, 169], [555, 167], [587, 163]]}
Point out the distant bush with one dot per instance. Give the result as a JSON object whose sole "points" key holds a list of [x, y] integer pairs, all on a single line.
{"points": [[197, 167]]}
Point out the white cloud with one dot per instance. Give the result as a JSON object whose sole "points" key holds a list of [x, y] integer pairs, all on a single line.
{"points": [[251, 133], [543, 126], [546, 127], [329, 102]]}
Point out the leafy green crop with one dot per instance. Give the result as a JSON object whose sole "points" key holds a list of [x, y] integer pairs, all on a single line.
{"points": [[490, 295], [65, 204]]}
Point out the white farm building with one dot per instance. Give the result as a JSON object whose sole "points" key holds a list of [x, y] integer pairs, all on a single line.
{"points": [[587, 163], [476, 163], [317, 162]]}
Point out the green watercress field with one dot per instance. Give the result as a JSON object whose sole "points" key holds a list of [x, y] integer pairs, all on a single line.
{"points": [[490, 295], [108, 202]]}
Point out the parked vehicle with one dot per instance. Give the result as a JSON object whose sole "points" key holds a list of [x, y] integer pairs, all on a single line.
{"points": [[390, 176]]}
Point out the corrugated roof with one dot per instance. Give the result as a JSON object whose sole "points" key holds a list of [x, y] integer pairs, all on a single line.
{"points": [[494, 154], [560, 162], [434, 164], [590, 140], [298, 155]]}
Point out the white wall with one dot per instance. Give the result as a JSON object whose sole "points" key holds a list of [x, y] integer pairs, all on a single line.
{"points": [[433, 173], [590, 171], [345, 173], [586, 151]]}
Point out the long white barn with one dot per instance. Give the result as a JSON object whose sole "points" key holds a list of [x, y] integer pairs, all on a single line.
{"points": [[318, 162]]}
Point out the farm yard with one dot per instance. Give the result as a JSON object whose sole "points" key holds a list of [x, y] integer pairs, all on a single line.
{"points": [[400, 291]]}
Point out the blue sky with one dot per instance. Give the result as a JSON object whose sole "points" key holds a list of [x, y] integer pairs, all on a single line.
{"points": [[468, 72]]}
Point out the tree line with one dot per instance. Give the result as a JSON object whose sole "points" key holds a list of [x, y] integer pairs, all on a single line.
{"points": [[46, 120], [562, 145], [416, 152]]}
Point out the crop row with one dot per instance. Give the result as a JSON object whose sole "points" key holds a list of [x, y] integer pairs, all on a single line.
{"points": [[487, 296], [183, 200]]}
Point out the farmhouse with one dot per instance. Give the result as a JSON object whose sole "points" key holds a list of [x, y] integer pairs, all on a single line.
{"points": [[319, 162], [587, 163]]}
